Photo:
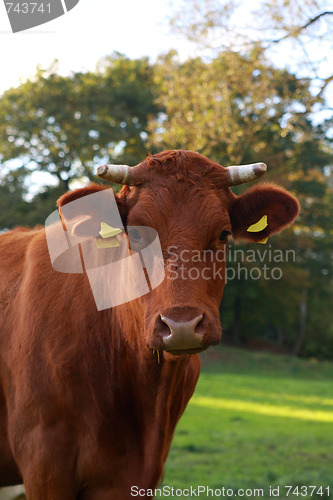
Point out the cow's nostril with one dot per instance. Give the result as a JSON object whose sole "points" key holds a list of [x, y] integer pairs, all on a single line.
{"points": [[162, 326], [200, 320]]}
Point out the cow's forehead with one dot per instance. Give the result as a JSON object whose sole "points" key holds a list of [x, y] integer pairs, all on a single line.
{"points": [[181, 166], [180, 204], [180, 189]]}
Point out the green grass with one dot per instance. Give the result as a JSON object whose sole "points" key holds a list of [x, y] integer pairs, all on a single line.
{"points": [[256, 420]]}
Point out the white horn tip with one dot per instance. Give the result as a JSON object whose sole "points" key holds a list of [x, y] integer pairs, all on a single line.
{"points": [[102, 170], [262, 167]]}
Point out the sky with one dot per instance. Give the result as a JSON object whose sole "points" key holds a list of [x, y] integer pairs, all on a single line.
{"points": [[79, 38]]}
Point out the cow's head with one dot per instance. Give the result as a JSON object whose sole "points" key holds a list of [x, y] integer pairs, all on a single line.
{"points": [[186, 198]]}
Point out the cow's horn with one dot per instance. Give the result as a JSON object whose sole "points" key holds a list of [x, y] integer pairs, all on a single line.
{"points": [[122, 174], [237, 174]]}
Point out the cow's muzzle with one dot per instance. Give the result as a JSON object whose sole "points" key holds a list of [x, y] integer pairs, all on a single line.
{"points": [[182, 334], [183, 330]]}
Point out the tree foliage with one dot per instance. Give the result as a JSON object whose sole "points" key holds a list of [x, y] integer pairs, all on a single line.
{"points": [[66, 125], [297, 34], [228, 108]]}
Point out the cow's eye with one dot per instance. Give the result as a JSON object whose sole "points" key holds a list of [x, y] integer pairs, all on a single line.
{"points": [[223, 237], [135, 235]]}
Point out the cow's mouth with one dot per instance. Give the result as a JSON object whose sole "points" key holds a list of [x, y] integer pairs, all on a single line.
{"points": [[176, 352], [180, 352]]}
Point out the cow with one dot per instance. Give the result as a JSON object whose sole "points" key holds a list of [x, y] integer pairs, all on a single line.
{"points": [[89, 399]]}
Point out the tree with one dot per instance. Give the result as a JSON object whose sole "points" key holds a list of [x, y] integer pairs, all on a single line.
{"points": [[67, 125], [12, 205], [300, 34], [228, 108]]}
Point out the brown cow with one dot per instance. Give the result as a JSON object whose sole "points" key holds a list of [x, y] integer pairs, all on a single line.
{"points": [[88, 407]]}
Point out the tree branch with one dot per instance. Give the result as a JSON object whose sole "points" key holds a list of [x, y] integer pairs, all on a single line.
{"points": [[306, 25], [323, 87]]}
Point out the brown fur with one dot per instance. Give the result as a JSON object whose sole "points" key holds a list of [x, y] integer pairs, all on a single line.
{"points": [[86, 408]]}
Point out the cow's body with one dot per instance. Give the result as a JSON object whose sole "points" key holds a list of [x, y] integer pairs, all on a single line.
{"points": [[68, 396], [86, 408]]}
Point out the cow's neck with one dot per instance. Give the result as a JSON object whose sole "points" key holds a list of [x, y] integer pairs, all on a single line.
{"points": [[156, 388]]}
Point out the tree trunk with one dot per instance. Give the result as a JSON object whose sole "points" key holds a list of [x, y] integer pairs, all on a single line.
{"points": [[64, 183], [303, 309], [236, 323], [280, 336]]}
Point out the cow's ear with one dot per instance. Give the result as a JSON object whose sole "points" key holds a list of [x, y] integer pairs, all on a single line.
{"points": [[262, 211], [86, 222], [79, 193]]}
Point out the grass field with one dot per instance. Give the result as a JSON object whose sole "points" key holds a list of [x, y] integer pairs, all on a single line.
{"points": [[256, 421]]}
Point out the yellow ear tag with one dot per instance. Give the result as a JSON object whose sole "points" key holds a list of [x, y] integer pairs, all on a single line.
{"points": [[258, 226], [109, 231], [107, 243], [108, 234]]}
